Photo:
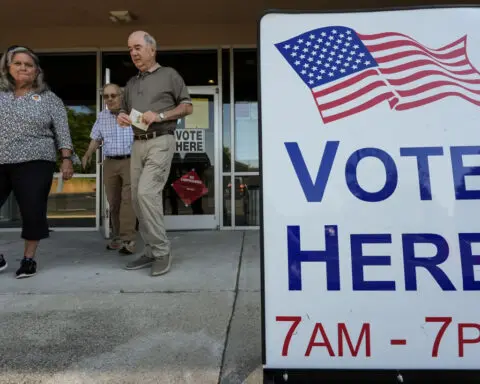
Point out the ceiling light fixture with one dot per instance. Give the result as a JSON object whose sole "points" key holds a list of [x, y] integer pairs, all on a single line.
{"points": [[122, 17]]}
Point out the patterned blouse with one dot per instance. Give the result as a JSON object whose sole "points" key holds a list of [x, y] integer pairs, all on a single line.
{"points": [[32, 127]]}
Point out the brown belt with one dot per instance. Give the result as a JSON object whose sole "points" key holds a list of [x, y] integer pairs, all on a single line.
{"points": [[151, 135]]}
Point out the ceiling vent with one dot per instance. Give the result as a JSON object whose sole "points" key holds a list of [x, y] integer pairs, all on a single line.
{"points": [[121, 17]]}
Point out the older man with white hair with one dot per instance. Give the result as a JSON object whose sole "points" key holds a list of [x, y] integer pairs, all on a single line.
{"points": [[160, 95]]}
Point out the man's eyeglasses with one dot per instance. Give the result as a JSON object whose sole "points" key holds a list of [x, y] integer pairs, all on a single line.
{"points": [[110, 96]]}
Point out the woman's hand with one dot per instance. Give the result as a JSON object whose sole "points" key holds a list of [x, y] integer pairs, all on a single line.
{"points": [[66, 169]]}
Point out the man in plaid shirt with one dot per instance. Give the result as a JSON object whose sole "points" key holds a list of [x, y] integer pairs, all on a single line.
{"points": [[117, 145]]}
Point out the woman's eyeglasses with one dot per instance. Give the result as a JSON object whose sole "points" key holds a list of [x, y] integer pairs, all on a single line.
{"points": [[110, 96]]}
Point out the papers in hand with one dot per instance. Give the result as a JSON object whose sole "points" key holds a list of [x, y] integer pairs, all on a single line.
{"points": [[136, 118]]}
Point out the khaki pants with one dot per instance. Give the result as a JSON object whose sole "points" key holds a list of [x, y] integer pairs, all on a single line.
{"points": [[118, 189], [150, 167]]}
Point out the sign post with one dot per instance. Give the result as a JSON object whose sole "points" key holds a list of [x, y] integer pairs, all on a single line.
{"points": [[370, 161]]}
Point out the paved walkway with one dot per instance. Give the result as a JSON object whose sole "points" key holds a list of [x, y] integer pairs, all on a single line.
{"points": [[83, 319]]}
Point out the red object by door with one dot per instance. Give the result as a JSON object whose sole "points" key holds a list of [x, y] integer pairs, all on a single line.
{"points": [[189, 187]]}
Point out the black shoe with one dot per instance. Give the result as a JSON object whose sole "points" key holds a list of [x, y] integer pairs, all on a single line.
{"points": [[28, 268], [3, 263]]}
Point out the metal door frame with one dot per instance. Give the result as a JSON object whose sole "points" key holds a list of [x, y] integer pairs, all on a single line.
{"points": [[103, 208]]}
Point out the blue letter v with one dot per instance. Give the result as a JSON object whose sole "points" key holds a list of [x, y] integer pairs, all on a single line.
{"points": [[313, 191]]}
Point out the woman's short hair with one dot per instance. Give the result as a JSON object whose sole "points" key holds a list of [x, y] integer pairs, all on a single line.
{"points": [[7, 83]]}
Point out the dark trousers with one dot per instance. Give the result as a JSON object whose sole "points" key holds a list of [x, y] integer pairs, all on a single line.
{"points": [[30, 183]]}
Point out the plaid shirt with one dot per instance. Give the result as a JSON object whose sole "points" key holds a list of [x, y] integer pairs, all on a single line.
{"points": [[117, 141]]}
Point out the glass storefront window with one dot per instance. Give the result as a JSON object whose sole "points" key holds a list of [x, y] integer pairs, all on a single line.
{"points": [[72, 77], [196, 67], [247, 200], [227, 200], [246, 110], [226, 136], [10, 214], [74, 200]]}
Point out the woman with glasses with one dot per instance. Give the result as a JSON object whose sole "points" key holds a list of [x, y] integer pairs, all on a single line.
{"points": [[33, 131]]}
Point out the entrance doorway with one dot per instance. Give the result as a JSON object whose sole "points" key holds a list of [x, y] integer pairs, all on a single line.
{"points": [[198, 140], [191, 194]]}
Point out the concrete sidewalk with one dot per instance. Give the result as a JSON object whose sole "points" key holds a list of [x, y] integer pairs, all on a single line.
{"points": [[83, 319]]}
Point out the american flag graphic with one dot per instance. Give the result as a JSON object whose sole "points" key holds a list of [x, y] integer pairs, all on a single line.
{"points": [[348, 72]]}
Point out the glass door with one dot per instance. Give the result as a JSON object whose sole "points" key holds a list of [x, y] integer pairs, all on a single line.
{"points": [[191, 194]]}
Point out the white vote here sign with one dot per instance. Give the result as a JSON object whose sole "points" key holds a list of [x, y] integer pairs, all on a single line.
{"points": [[370, 157], [190, 140]]}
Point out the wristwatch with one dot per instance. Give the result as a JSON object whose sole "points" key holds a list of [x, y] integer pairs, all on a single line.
{"points": [[161, 116]]}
